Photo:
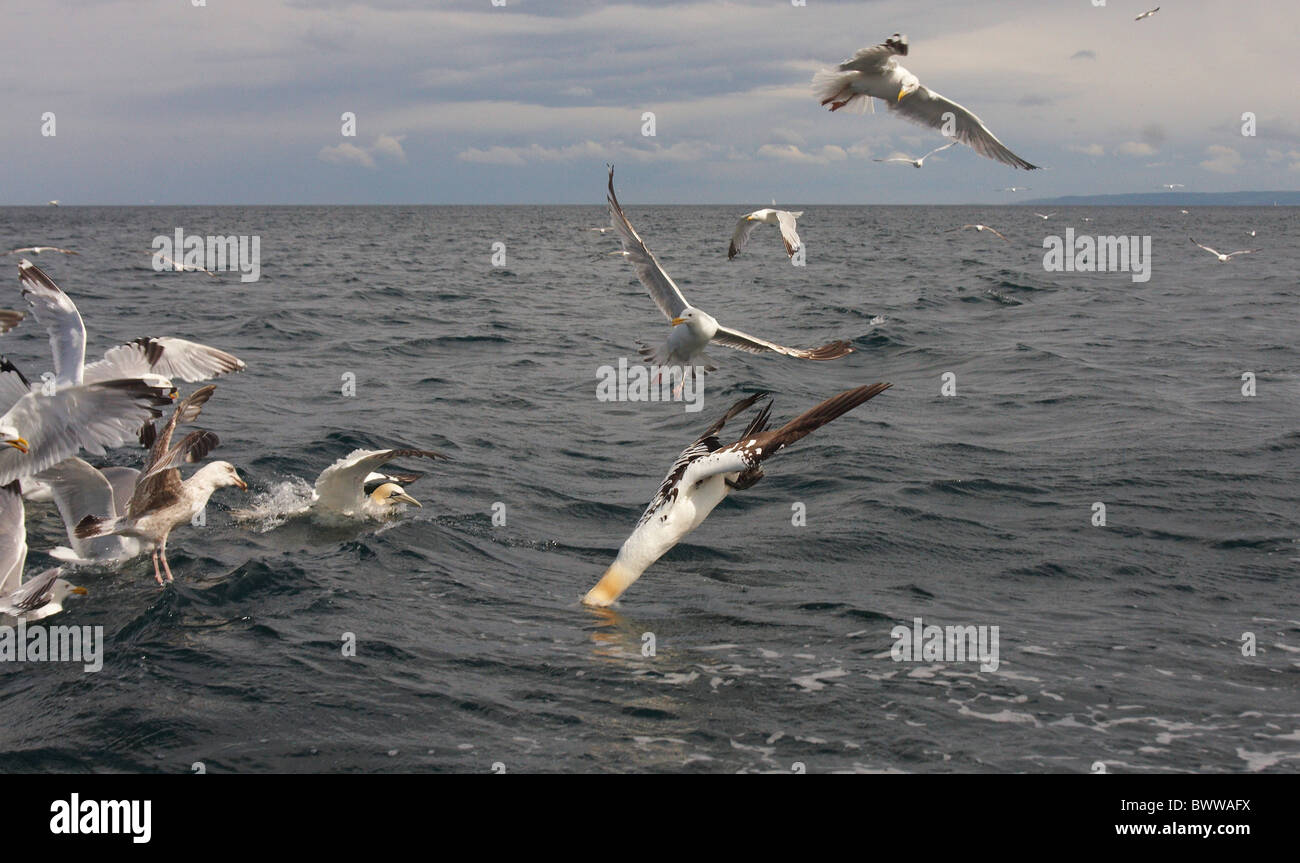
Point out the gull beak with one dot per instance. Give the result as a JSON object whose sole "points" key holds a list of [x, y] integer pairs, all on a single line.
{"points": [[79, 591], [243, 486], [674, 322], [406, 498], [19, 444], [902, 91]]}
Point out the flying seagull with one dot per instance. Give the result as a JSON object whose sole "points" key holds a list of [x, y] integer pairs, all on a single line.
{"points": [[693, 329], [1014, 189], [705, 473], [36, 250], [354, 485], [1147, 14], [981, 228], [875, 72], [176, 265], [1045, 216], [160, 500], [1223, 259], [916, 163], [41, 595], [750, 221], [1172, 186]]}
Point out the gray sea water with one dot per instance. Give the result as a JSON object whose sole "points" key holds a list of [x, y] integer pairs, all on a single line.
{"points": [[1120, 644]]}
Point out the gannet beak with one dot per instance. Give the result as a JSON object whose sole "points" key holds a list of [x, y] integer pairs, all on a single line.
{"points": [[19, 444], [674, 322], [406, 498], [79, 591]]}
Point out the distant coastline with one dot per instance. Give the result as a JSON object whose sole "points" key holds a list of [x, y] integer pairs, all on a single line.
{"points": [[1173, 199]]}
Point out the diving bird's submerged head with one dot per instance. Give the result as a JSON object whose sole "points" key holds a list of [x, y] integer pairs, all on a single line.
{"points": [[9, 436], [391, 494]]}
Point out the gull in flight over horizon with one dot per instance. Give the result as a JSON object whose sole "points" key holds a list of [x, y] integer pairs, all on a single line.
{"points": [[693, 329], [36, 250], [978, 227], [1045, 216], [916, 163], [1172, 186], [1223, 259], [1014, 189], [1147, 14], [784, 219], [875, 72]]}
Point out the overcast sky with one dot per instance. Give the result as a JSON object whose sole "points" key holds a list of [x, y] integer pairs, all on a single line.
{"points": [[465, 102]]}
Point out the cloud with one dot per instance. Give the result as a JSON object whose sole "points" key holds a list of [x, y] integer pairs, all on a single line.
{"points": [[1135, 148], [791, 153], [1085, 54], [682, 151], [347, 153], [1223, 160], [1088, 149]]}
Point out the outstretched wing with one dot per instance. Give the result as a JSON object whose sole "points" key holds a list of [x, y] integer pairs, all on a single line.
{"points": [[789, 235], [927, 108], [1199, 246], [159, 481], [937, 149], [754, 345], [341, 486], [89, 417], [176, 359], [744, 227], [32, 595], [62, 321], [13, 537], [80, 490], [663, 290]]}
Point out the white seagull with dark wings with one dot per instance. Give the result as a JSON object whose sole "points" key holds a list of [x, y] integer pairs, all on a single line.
{"points": [[693, 329], [705, 473], [875, 72], [161, 500]]}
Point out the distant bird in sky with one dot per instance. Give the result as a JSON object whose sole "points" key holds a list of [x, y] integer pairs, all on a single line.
{"points": [[874, 72], [916, 163], [1045, 216], [1251, 233], [748, 222], [1014, 189], [1223, 259], [1184, 212], [980, 228], [1147, 14], [36, 250], [1172, 186]]}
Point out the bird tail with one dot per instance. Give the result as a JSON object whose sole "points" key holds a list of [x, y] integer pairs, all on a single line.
{"points": [[831, 87], [835, 406]]}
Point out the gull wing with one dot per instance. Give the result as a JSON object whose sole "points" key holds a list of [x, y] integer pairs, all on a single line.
{"points": [[31, 595], [1244, 252], [13, 384], [169, 357], [1199, 246], [159, 482], [80, 490], [663, 290], [938, 149], [787, 221], [341, 486], [744, 227], [10, 318], [13, 537], [927, 108], [90, 417], [55, 309], [752, 344], [870, 59]]}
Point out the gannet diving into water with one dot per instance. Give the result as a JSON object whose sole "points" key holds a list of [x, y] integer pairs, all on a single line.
{"points": [[875, 72], [161, 500], [705, 473], [768, 216], [693, 329]]}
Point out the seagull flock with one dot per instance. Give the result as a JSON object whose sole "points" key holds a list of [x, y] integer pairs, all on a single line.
{"points": [[114, 514]]}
